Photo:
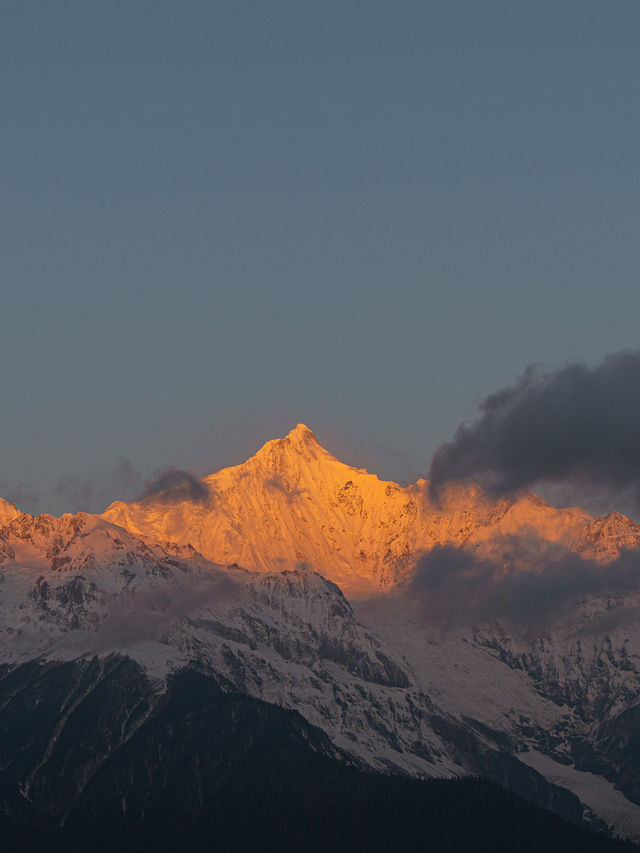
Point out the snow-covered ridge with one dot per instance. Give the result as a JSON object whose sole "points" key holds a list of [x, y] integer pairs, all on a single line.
{"points": [[394, 693], [157, 581], [294, 503]]}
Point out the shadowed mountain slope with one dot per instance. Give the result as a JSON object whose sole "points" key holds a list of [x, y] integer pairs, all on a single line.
{"points": [[109, 762]]}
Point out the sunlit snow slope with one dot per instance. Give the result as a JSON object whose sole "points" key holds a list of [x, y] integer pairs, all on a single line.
{"points": [[294, 503]]}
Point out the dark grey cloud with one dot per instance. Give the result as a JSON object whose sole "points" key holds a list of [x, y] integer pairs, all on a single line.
{"points": [[171, 485], [577, 425], [96, 490], [530, 585]]}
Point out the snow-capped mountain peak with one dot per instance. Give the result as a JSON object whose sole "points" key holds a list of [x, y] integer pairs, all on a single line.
{"points": [[389, 687], [294, 503]]}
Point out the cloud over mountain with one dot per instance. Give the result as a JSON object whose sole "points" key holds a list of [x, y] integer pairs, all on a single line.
{"points": [[530, 585], [170, 485], [577, 425]]}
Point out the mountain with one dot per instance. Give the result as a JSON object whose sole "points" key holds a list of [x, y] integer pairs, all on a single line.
{"points": [[8, 512], [309, 606], [294, 504], [107, 761]]}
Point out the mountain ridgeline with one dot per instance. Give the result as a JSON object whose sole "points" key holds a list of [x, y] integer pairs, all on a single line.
{"points": [[242, 656], [107, 762], [294, 504]]}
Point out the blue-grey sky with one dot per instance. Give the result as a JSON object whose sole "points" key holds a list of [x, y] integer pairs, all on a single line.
{"points": [[222, 218]]}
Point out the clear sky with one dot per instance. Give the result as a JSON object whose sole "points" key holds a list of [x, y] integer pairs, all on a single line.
{"points": [[222, 218]]}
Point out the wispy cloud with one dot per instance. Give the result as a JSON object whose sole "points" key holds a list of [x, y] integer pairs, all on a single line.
{"points": [[148, 614], [280, 485], [24, 495], [92, 493]]}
